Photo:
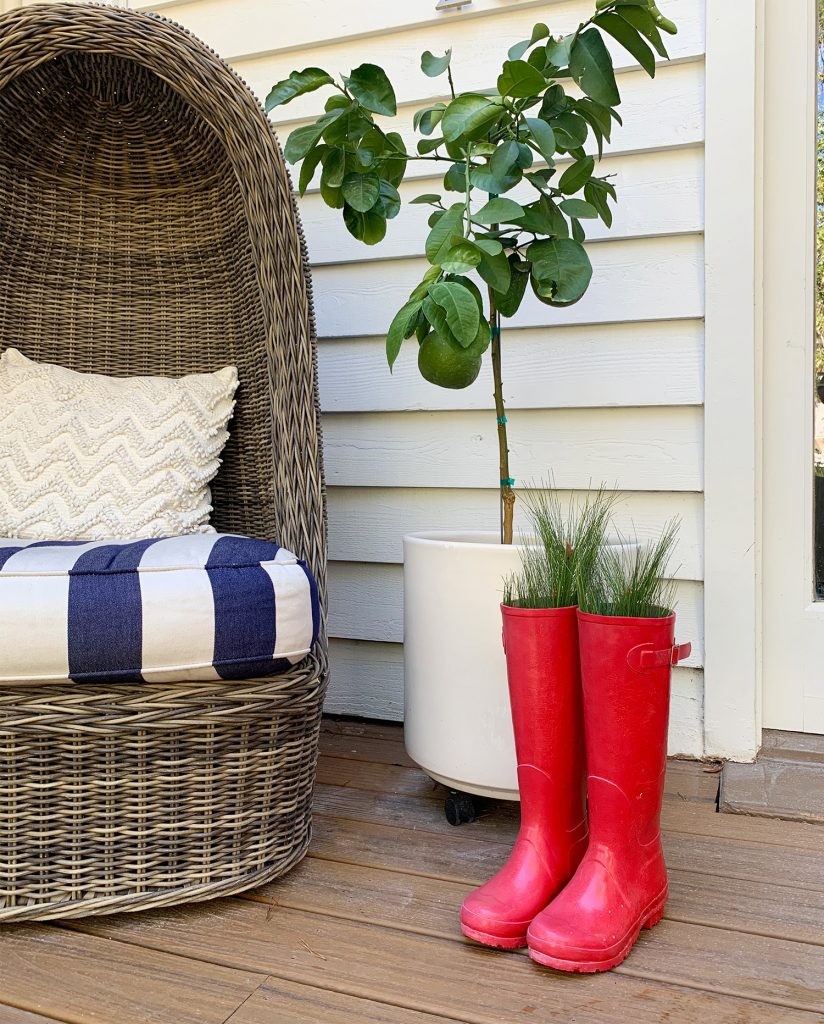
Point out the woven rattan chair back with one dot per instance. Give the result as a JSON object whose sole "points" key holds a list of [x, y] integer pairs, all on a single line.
{"points": [[147, 226]]}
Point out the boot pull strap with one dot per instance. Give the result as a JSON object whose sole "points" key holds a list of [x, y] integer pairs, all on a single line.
{"points": [[645, 656]]}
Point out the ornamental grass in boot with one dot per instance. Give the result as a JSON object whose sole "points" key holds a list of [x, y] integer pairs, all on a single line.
{"points": [[627, 647], [540, 635]]}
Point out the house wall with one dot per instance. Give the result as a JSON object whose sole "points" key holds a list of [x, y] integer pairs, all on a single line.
{"points": [[610, 389]]}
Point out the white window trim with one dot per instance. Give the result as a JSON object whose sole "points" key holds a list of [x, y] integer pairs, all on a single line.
{"points": [[732, 455]]}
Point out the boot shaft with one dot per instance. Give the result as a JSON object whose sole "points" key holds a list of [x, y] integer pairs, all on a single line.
{"points": [[543, 673], [625, 669]]}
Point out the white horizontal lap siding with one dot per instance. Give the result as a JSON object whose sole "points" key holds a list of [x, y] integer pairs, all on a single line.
{"points": [[609, 390]]}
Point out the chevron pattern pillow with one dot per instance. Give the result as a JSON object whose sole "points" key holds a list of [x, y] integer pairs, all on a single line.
{"points": [[89, 457]]}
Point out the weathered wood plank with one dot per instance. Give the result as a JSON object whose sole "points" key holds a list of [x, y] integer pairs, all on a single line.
{"points": [[690, 819], [367, 524], [286, 1002], [11, 1015], [81, 978], [653, 449], [659, 193], [367, 679], [366, 603], [753, 904], [664, 114], [633, 281], [265, 48], [686, 780], [430, 906], [419, 971], [626, 365]]}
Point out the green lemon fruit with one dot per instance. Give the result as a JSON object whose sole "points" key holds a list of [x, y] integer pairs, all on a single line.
{"points": [[446, 364]]}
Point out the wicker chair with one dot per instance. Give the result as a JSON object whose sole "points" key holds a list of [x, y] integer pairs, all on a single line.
{"points": [[147, 226]]}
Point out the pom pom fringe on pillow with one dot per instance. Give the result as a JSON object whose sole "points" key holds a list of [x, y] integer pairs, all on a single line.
{"points": [[84, 456]]}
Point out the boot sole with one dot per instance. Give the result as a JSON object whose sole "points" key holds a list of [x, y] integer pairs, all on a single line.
{"points": [[495, 941], [651, 919]]}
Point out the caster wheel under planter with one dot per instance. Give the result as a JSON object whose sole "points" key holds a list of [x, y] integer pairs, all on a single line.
{"points": [[460, 808]]}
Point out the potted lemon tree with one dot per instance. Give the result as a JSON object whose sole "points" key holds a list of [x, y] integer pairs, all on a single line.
{"points": [[520, 185]]}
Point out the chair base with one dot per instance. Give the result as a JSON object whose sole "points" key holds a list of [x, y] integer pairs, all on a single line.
{"points": [[156, 899]]}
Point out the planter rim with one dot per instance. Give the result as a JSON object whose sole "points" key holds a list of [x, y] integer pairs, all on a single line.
{"points": [[622, 620], [538, 613], [464, 538]]}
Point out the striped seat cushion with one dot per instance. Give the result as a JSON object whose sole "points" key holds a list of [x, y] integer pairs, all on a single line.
{"points": [[203, 606]]}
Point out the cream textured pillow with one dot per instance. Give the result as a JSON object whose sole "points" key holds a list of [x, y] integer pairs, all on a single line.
{"points": [[89, 457]]}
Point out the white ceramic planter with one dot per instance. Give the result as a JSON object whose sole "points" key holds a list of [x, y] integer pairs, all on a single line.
{"points": [[457, 721]]}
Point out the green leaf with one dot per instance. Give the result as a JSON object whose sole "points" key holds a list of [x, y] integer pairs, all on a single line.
{"points": [[336, 102], [368, 227], [394, 163], [555, 102], [544, 136], [595, 193], [629, 38], [422, 289], [370, 86], [495, 271], [406, 316], [439, 241], [526, 157], [560, 268], [297, 84], [371, 147], [591, 67], [469, 116], [497, 210], [334, 168], [309, 166], [520, 80], [509, 302], [433, 66], [428, 119], [349, 125], [361, 191], [558, 50], [570, 130], [504, 160], [429, 145], [427, 197], [517, 50], [577, 208], [304, 138], [645, 23], [333, 197], [462, 313], [462, 257], [576, 175], [389, 201], [540, 31], [578, 232], [436, 317], [540, 178], [544, 218], [486, 181], [455, 178], [489, 246]]}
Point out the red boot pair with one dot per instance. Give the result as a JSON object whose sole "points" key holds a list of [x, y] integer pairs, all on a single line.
{"points": [[580, 906]]}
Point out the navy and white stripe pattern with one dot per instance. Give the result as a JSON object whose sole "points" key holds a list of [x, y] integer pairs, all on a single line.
{"points": [[199, 607]]}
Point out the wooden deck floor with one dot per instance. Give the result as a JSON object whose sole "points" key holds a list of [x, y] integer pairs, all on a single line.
{"points": [[365, 929]]}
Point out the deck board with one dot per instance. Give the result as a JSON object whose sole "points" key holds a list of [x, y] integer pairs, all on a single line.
{"points": [[365, 929], [80, 978]]}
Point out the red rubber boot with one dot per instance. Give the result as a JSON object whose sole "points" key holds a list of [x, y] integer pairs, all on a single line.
{"points": [[621, 884], [545, 694]]}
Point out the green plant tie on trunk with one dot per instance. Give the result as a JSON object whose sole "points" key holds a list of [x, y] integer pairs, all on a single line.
{"points": [[508, 481], [501, 420]]}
